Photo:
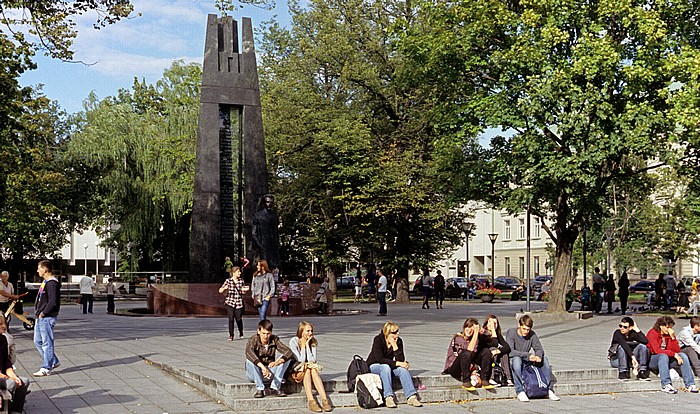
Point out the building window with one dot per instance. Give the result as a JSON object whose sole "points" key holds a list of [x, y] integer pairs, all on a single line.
{"points": [[537, 228], [521, 261], [521, 229], [507, 266], [506, 229], [537, 265]]}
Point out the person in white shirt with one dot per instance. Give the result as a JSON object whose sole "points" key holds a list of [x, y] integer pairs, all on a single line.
{"points": [[7, 291], [86, 297], [688, 339], [381, 292]]}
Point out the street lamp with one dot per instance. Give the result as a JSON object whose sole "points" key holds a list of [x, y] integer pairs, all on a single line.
{"points": [[493, 237], [609, 231], [467, 227], [97, 257], [85, 246]]}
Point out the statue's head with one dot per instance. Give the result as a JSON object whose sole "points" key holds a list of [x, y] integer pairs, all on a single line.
{"points": [[269, 201]]}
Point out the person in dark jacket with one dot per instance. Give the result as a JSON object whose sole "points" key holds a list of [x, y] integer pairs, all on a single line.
{"points": [[439, 283], [631, 350], [498, 346], [466, 348], [610, 292], [48, 304], [623, 291], [386, 359]]}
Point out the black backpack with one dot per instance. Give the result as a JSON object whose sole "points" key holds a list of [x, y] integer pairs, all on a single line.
{"points": [[364, 396], [357, 366], [498, 374]]}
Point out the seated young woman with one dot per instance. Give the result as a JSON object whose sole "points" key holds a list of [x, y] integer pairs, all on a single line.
{"points": [[386, 359], [304, 348], [464, 350], [498, 347]]}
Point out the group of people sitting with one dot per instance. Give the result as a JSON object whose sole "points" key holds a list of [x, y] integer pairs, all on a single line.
{"points": [[661, 349], [470, 356]]}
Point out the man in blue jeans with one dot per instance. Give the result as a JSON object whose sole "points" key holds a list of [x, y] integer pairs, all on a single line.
{"points": [[48, 304], [522, 340], [630, 343], [261, 362]]}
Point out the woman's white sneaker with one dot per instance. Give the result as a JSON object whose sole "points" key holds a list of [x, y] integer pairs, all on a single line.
{"points": [[523, 397], [553, 396]]}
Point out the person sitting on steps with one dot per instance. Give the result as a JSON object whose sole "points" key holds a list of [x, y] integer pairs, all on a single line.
{"points": [[631, 349], [666, 355], [261, 363], [463, 351]]}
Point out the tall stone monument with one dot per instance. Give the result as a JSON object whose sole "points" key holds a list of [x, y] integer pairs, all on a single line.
{"points": [[230, 171]]}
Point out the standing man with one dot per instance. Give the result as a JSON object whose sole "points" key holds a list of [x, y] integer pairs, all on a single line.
{"points": [[86, 296], [48, 304], [688, 339], [670, 282], [261, 361], [598, 289], [381, 292], [111, 291], [358, 287], [439, 283], [425, 282], [522, 341], [7, 291], [631, 348]]}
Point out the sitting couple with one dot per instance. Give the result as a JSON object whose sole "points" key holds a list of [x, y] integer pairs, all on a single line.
{"points": [[485, 345]]}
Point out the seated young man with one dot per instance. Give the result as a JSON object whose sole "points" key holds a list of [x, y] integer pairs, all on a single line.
{"points": [[666, 354], [525, 346], [631, 350], [688, 339], [261, 362]]}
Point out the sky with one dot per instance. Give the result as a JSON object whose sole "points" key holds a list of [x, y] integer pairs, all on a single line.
{"points": [[142, 46]]}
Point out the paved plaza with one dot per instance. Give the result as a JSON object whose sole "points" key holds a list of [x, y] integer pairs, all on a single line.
{"points": [[105, 358]]}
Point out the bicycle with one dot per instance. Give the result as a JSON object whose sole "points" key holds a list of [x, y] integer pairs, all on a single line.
{"points": [[367, 296], [27, 321]]}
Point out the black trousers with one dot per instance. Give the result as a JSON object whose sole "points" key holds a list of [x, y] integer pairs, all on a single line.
{"points": [[234, 314], [87, 300], [460, 369], [110, 303]]}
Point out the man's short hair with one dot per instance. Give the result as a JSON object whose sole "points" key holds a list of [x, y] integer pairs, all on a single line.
{"points": [[597, 270], [46, 264], [627, 320], [266, 324], [525, 320], [694, 321]]}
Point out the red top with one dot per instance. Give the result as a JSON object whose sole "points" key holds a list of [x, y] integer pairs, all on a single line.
{"points": [[662, 344]]}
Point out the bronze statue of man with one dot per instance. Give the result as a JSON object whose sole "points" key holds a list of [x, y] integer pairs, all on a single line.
{"points": [[266, 234]]}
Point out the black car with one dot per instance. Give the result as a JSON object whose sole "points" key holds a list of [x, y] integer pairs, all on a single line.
{"points": [[507, 283], [536, 285], [642, 286], [345, 282]]}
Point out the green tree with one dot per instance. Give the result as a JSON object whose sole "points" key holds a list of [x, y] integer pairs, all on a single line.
{"points": [[139, 146], [350, 150], [585, 88]]}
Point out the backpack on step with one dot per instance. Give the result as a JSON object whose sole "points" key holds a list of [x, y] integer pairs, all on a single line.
{"points": [[357, 367], [533, 382], [368, 388]]}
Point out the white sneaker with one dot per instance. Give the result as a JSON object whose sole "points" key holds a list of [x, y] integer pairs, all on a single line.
{"points": [[553, 396], [669, 389], [692, 388], [43, 372], [522, 397], [494, 383]]}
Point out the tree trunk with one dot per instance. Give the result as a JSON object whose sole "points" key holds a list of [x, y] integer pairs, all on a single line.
{"points": [[402, 286], [561, 278]]}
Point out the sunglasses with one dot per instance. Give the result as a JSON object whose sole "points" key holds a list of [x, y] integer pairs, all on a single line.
{"points": [[624, 326], [394, 332]]}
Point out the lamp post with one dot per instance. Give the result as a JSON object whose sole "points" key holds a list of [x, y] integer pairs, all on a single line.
{"points": [[609, 231], [467, 227], [85, 246], [493, 237], [97, 257]]}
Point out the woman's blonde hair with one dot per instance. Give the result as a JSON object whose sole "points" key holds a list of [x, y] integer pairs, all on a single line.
{"points": [[388, 327], [300, 332]]}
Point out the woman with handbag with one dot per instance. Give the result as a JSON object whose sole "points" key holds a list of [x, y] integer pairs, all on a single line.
{"points": [[306, 369], [234, 301], [262, 288], [499, 349]]}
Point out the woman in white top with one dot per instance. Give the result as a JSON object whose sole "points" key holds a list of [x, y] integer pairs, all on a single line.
{"points": [[304, 347]]}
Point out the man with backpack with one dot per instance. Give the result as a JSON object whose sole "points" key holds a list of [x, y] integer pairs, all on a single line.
{"points": [[526, 349]]}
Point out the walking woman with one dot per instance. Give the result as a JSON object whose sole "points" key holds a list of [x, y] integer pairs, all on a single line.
{"points": [[623, 291], [304, 347], [234, 301], [262, 288], [387, 359], [610, 292]]}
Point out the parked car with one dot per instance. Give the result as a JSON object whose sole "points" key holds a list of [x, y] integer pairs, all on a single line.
{"points": [[480, 279], [455, 286], [345, 282], [507, 283], [536, 285], [643, 286]]}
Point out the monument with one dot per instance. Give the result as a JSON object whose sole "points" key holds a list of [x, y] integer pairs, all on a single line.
{"points": [[230, 170]]}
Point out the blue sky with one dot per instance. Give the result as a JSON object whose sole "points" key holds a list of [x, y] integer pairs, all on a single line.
{"points": [[142, 46]]}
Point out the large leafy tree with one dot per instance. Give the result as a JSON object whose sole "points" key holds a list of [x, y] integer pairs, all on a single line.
{"points": [[139, 146], [347, 140], [586, 91]]}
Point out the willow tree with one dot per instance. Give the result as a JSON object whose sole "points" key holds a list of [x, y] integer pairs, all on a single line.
{"points": [[585, 89], [139, 146]]}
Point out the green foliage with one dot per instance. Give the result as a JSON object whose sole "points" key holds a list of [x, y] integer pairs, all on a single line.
{"points": [[139, 147], [352, 154], [584, 90]]}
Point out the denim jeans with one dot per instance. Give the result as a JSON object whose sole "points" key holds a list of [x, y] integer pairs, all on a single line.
{"points": [[384, 371], [516, 365], [254, 373], [381, 298], [43, 340], [622, 363], [664, 363], [87, 301], [262, 311]]}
